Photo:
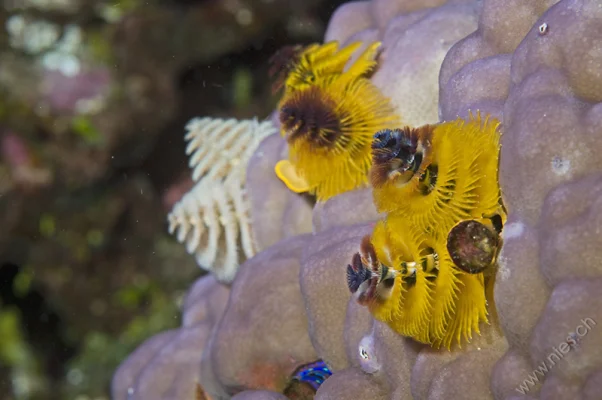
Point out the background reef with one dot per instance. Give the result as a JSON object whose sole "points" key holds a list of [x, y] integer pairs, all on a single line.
{"points": [[93, 99]]}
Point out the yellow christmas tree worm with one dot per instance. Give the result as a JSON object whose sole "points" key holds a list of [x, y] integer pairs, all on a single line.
{"points": [[438, 174], [329, 121], [300, 68], [411, 283], [318, 62]]}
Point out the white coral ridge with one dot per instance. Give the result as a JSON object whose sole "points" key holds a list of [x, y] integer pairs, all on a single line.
{"points": [[213, 219]]}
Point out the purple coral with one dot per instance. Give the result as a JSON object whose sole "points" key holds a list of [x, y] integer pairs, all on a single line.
{"points": [[168, 365], [536, 76]]}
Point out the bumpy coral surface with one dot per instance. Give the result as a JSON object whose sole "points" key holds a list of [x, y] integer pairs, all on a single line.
{"points": [[549, 106], [259, 395], [553, 130], [416, 35], [167, 366], [476, 72], [262, 337], [276, 212]]}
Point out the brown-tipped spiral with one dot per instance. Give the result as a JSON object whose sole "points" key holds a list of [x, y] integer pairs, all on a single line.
{"points": [[311, 115]]}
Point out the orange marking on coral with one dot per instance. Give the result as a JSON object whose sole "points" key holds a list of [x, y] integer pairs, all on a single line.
{"points": [[264, 377]]}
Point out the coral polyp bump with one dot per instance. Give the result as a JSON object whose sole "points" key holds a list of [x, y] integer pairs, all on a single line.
{"points": [[425, 269], [328, 117]]}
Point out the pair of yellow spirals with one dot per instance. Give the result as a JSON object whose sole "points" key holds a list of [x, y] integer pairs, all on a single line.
{"points": [[438, 186]]}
